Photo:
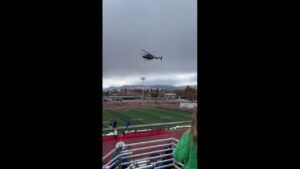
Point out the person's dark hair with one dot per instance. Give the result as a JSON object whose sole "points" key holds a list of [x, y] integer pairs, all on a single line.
{"points": [[194, 126]]}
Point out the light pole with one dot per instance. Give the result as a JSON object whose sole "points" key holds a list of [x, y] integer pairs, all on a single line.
{"points": [[143, 79]]}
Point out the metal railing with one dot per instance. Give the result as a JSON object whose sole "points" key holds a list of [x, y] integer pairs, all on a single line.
{"points": [[156, 154]]}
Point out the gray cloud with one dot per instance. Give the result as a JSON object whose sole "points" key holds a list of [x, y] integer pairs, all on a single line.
{"points": [[169, 26]]}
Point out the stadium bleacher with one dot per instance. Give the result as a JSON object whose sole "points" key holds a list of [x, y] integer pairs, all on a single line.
{"points": [[145, 144], [142, 155]]}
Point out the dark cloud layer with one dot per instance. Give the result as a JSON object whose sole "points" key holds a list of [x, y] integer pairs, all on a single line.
{"points": [[169, 26]]}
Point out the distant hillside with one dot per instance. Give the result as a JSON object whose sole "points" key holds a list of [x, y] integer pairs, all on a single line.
{"points": [[183, 87], [167, 87]]}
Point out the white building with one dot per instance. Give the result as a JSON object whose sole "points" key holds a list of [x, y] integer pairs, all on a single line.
{"points": [[170, 96]]}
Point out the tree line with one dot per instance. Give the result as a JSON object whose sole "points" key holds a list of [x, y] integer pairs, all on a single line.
{"points": [[189, 93]]}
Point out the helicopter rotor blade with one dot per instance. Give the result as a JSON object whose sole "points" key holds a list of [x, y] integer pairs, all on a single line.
{"points": [[145, 51]]}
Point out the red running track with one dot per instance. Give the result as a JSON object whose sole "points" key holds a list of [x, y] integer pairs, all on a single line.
{"points": [[134, 135]]}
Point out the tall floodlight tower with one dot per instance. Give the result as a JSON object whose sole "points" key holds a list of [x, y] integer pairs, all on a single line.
{"points": [[143, 79]]}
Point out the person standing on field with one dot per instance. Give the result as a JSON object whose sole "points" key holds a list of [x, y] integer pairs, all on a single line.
{"points": [[114, 124], [126, 123]]}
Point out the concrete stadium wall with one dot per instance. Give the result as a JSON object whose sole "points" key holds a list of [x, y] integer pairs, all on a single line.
{"points": [[188, 105]]}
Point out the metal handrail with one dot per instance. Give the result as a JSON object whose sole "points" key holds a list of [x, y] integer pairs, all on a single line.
{"points": [[109, 153], [179, 163], [151, 152], [176, 167], [138, 158], [108, 167], [163, 161], [115, 158], [147, 142], [149, 158], [168, 165], [144, 148], [140, 143], [145, 167]]}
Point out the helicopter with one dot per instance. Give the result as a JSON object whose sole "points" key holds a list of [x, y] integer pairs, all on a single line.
{"points": [[149, 56]]}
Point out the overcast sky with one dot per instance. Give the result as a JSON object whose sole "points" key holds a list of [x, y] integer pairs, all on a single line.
{"points": [[166, 26]]}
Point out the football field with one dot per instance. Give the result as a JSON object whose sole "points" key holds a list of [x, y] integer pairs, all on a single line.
{"points": [[138, 116]]}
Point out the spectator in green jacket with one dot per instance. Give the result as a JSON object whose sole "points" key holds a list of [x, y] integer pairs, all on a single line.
{"points": [[186, 149]]}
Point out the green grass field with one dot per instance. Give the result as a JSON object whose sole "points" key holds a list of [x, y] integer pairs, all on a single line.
{"points": [[138, 116]]}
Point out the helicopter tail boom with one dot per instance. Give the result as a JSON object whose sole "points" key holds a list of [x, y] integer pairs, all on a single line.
{"points": [[158, 58]]}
